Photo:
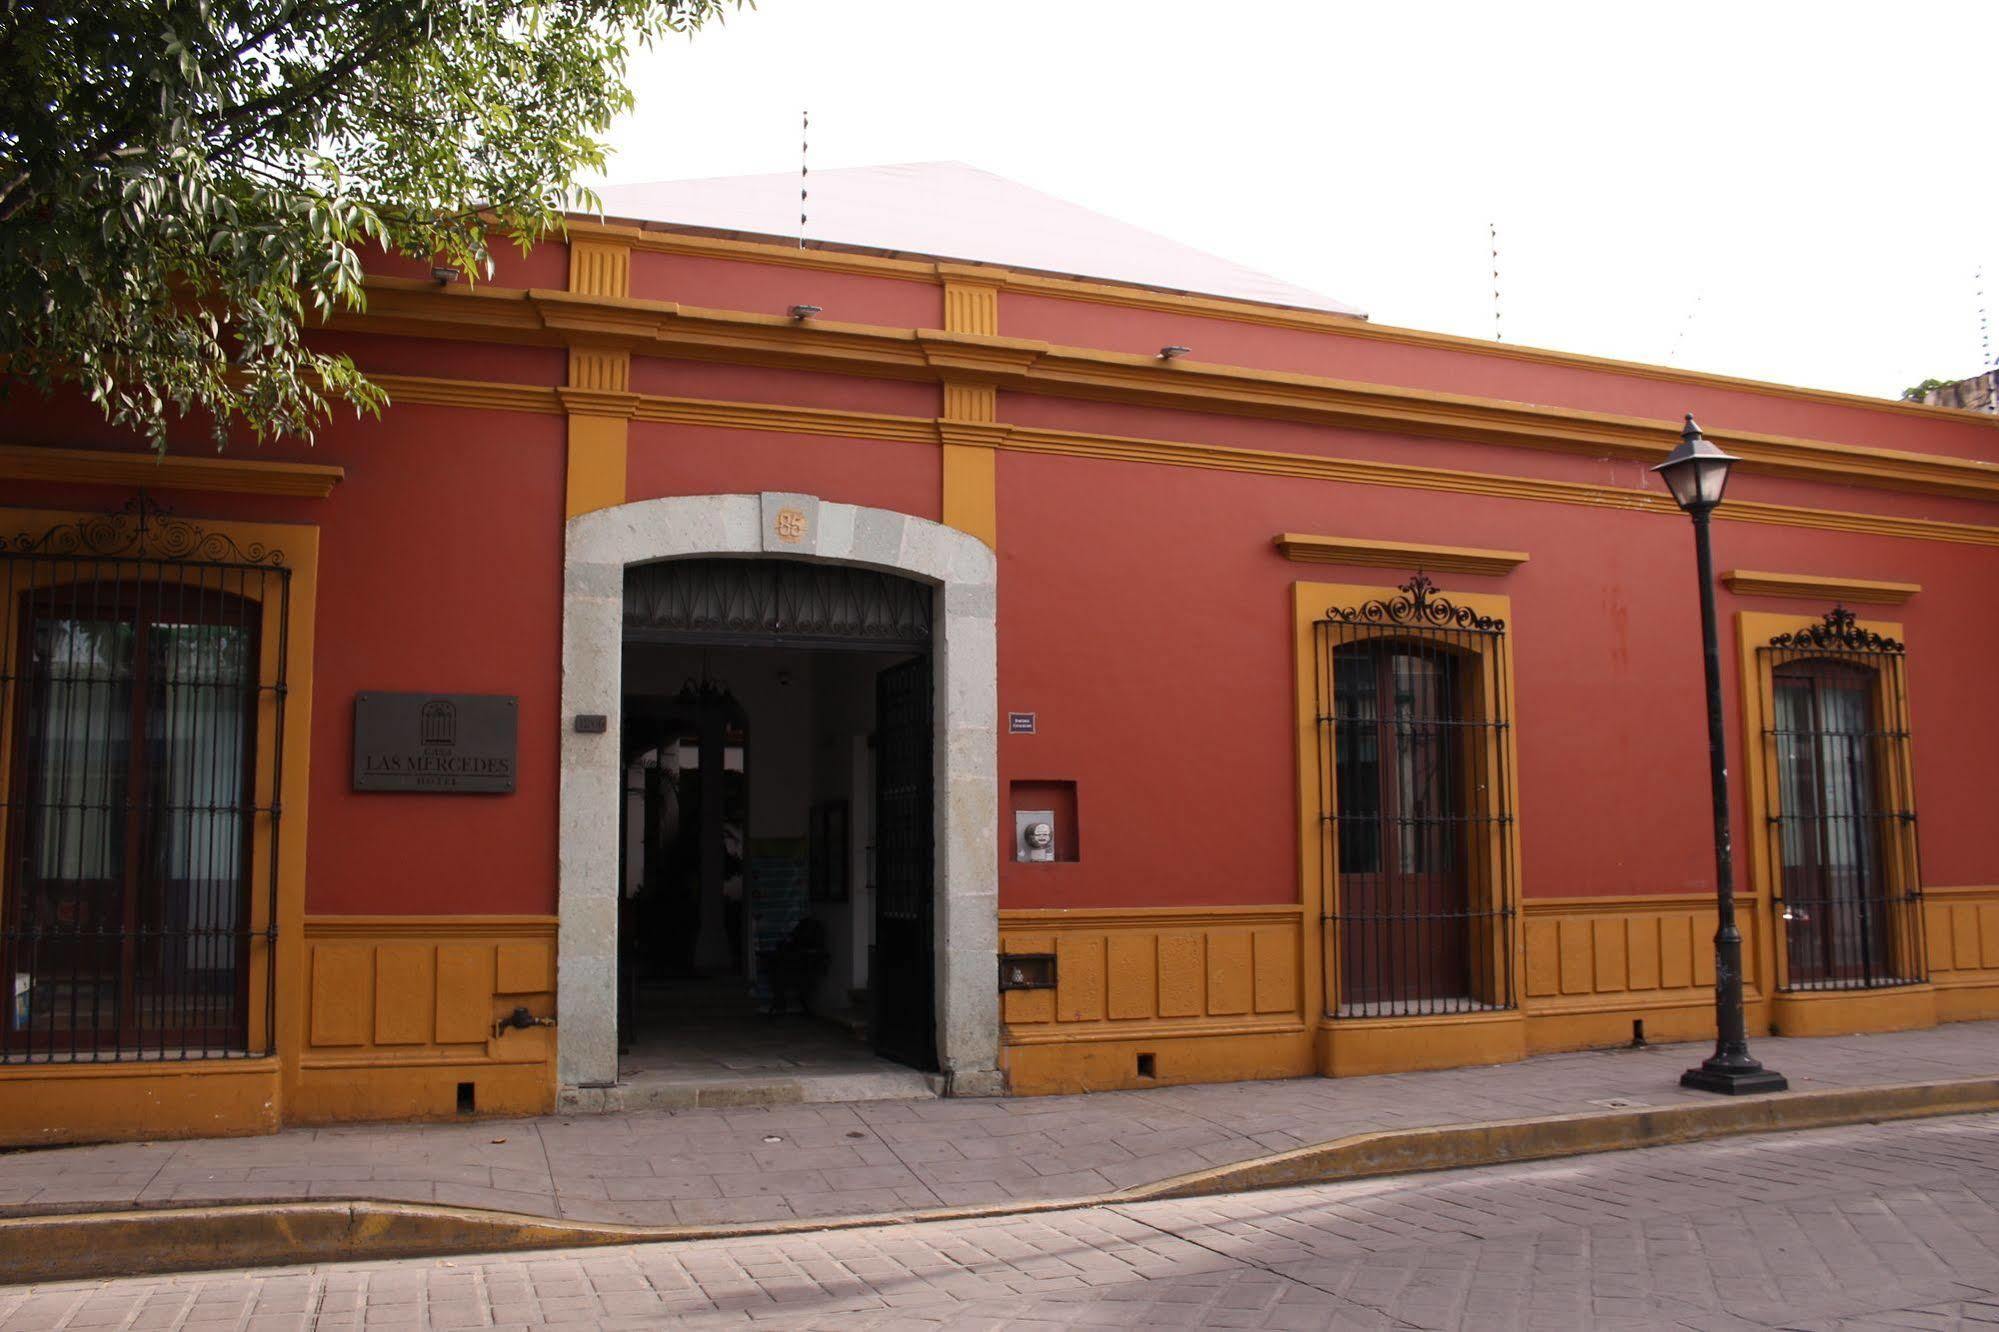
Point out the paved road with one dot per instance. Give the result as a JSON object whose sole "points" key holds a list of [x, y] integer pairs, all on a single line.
{"points": [[1879, 1225]]}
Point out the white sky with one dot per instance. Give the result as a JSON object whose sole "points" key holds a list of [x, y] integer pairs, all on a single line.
{"points": [[1813, 184]]}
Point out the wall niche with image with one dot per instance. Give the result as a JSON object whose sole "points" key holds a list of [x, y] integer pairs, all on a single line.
{"points": [[1044, 822]]}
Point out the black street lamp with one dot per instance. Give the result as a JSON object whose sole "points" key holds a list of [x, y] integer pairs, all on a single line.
{"points": [[1697, 472]]}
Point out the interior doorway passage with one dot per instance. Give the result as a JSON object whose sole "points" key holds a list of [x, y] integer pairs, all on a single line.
{"points": [[775, 923]]}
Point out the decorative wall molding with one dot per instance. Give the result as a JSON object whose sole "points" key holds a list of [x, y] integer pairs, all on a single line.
{"points": [[1171, 453], [1813, 587], [1169, 302], [104, 467], [667, 329], [1397, 554]]}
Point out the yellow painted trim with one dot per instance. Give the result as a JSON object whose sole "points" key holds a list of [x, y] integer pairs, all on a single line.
{"points": [[1397, 554], [208, 1104], [1317, 855], [1358, 1047], [170, 471], [476, 395], [1844, 1012], [1747, 583], [668, 329], [1100, 292], [1097, 918], [1110, 1064], [1623, 902], [1168, 453], [970, 472], [1754, 630], [600, 267], [466, 926], [600, 405]]}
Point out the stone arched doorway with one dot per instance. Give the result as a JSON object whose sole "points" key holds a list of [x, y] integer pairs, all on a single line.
{"points": [[599, 547]]}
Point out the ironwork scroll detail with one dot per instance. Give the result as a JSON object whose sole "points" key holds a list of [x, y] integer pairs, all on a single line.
{"points": [[1837, 632], [142, 528], [1419, 606]]}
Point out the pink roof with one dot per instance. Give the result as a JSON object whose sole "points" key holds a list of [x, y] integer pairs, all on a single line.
{"points": [[948, 210]]}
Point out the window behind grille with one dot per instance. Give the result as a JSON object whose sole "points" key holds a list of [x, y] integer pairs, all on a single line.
{"points": [[1415, 806], [137, 906], [1842, 830]]}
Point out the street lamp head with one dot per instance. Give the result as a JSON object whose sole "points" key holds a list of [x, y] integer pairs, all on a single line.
{"points": [[1696, 472]]}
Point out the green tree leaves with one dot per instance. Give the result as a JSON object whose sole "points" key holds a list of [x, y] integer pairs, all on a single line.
{"points": [[185, 184]]}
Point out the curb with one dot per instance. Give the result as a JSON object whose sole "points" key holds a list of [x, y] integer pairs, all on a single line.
{"points": [[87, 1245]]}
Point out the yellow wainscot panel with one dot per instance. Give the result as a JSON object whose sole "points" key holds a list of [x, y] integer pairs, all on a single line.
{"points": [[1146, 996], [428, 1047]]}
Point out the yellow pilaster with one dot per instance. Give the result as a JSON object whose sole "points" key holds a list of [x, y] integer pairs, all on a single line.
{"points": [[600, 404], [598, 398], [971, 499]]}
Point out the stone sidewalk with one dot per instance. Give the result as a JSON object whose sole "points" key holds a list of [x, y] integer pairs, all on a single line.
{"points": [[720, 1166], [1861, 1227]]}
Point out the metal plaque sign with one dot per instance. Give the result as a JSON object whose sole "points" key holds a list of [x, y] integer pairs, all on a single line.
{"points": [[1020, 723], [440, 743]]}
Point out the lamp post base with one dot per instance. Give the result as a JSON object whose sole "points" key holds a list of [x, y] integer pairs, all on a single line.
{"points": [[1745, 1078]]}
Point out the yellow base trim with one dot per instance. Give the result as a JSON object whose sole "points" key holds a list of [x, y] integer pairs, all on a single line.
{"points": [[1397, 554], [1750, 583], [45, 1104], [1352, 1047], [345, 1094], [1666, 1021], [1846, 1012], [1112, 1065]]}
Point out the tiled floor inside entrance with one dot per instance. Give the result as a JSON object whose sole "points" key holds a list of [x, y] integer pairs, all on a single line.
{"points": [[709, 1042]]}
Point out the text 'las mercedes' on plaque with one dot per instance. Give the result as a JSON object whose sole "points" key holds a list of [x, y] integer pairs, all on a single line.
{"points": [[440, 743]]}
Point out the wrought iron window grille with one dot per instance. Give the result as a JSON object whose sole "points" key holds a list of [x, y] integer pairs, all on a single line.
{"points": [[769, 602], [1842, 828], [1415, 805], [142, 678]]}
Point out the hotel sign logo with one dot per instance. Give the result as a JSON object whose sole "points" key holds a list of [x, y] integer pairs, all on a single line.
{"points": [[439, 743]]}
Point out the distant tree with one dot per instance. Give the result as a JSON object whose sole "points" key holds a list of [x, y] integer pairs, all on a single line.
{"points": [[1917, 392], [185, 183]]}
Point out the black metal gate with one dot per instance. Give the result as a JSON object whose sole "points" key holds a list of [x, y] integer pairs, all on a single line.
{"points": [[1843, 832], [142, 676], [1414, 806], [904, 966]]}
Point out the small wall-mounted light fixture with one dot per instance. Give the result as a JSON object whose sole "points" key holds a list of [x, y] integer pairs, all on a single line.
{"points": [[1173, 352], [442, 275], [804, 311]]}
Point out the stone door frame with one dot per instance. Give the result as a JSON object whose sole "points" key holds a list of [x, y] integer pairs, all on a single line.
{"points": [[597, 549]]}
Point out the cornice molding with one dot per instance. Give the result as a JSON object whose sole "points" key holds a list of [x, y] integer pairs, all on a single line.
{"points": [[664, 328], [478, 395], [104, 467], [1397, 554], [1099, 292], [1171, 453], [1813, 587], [598, 402]]}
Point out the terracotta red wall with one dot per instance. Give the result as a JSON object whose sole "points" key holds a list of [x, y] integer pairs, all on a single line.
{"points": [[1146, 619], [1478, 374]]}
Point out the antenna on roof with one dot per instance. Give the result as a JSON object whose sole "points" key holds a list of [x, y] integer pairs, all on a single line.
{"points": [[804, 143], [1498, 330], [1686, 324], [1984, 321]]}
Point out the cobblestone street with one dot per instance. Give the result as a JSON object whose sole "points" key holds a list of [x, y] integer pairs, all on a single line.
{"points": [[1881, 1225]]}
